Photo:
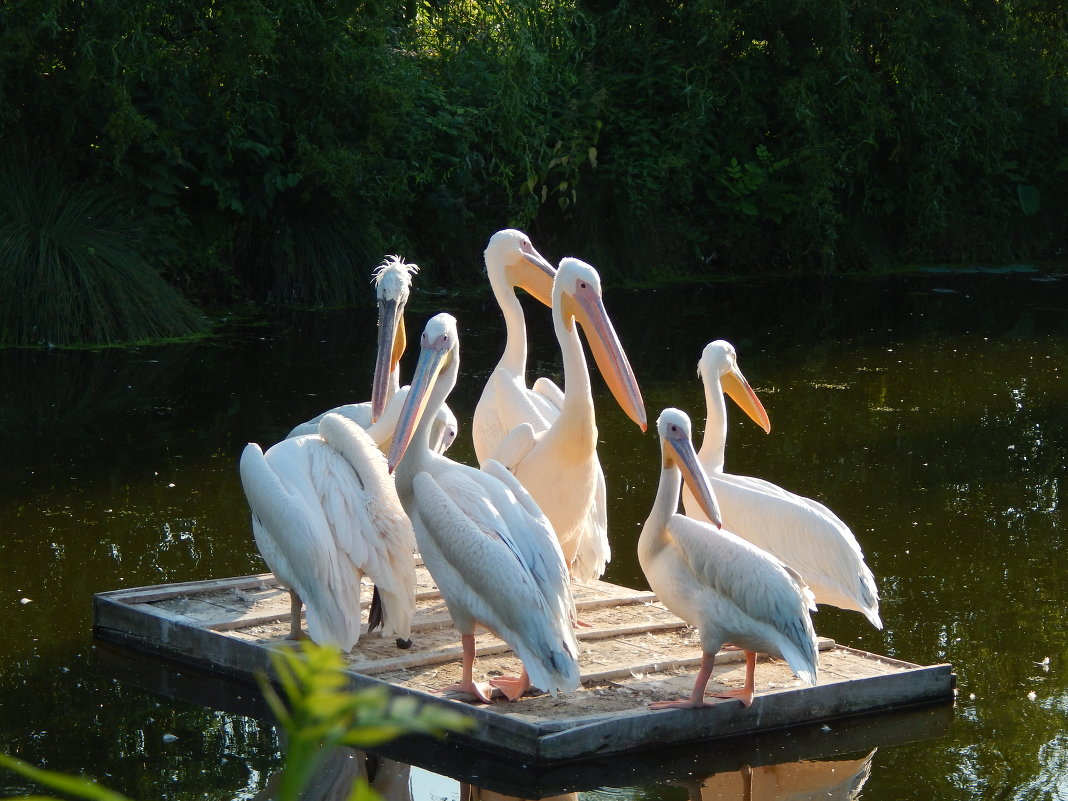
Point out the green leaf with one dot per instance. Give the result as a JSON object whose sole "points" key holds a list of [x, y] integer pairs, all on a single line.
{"points": [[258, 148]]}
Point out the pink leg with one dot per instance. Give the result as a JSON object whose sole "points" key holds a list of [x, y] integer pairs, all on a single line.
{"points": [[296, 632], [697, 697], [512, 686], [744, 694], [467, 684]]}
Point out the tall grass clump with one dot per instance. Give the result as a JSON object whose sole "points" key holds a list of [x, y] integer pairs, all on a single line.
{"points": [[71, 271]]}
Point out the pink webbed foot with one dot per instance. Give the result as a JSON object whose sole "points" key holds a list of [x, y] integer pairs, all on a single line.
{"points": [[743, 694], [481, 690], [512, 686]]}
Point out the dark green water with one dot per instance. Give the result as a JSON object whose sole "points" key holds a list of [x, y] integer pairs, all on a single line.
{"points": [[928, 411]]}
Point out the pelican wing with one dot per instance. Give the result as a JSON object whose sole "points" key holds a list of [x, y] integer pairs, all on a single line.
{"points": [[359, 413], [511, 450], [296, 540], [481, 566], [361, 504], [760, 587], [801, 532], [380, 431], [538, 544], [594, 551], [553, 395], [506, 403]]}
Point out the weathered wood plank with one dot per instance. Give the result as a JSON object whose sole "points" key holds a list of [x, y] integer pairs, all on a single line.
{"points": [[159, 592], [633, 651]]}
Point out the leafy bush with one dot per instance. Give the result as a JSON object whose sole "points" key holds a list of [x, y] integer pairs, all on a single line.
{"points": [[276, 150]]}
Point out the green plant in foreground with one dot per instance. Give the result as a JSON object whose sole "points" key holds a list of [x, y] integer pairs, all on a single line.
{"points": [[318, 713]]}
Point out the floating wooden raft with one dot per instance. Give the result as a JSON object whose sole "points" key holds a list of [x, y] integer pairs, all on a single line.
{"points": [[633, 651]]}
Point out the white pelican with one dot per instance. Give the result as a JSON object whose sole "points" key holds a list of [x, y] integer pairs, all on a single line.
{"points": [[727, 588], [325, 513], [559, 465], [378, 416], [802, 532], [506, 401], [487, 545]]}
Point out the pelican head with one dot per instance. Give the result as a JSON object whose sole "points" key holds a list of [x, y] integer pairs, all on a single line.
{"points": [[393, 282], [677, 451], [719, 361], [439, 347], [577, 293], [512, 261], [445, 430]]}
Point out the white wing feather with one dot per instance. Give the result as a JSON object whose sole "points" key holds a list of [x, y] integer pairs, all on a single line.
{"points": [[768, 600], [295, 539], [461, 527], [505, 403], [325, 513], [801, 532]]}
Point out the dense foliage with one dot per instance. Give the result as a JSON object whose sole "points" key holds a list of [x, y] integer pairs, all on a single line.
{"points": [[275, 150]]}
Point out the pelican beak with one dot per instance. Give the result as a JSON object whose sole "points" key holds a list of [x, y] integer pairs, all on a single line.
{"points": [[391, 344], [427, 370], [586, 306], [680, 453], [533, 274], [735, 385]]}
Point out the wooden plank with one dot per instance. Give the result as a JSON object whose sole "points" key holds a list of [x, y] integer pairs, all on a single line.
{"points": [[159, 592], [825, 644], [632, 651]]}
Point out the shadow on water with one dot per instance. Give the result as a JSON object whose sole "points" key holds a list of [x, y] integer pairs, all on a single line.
{"points": [[927, 410]]}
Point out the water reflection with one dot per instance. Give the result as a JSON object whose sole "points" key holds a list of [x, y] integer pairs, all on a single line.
{"points": [[790, 760], [834, 780], [828, 779], [339, 772]]}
